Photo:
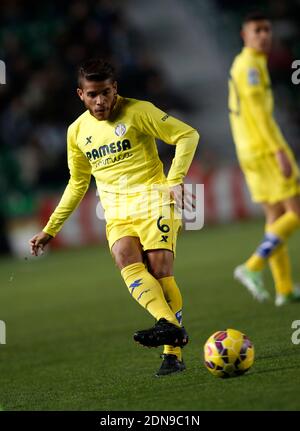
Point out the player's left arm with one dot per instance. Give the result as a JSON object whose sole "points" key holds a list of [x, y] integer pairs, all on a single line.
{"points": [[271, 133], [254, 90], [157, 123]]}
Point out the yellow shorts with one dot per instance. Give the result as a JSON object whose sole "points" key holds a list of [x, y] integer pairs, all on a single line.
{"points": [[265, 180], [159, 232]]}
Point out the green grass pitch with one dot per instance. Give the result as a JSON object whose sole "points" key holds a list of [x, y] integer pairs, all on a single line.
{"points": [[70, 320]]}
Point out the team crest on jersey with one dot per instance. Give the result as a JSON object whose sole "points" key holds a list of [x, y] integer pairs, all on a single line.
{"points": [[120, 129], [253, 77]]}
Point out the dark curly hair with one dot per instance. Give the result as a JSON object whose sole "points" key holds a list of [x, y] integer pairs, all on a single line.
{"points": [[96, 69], [255, 16]]}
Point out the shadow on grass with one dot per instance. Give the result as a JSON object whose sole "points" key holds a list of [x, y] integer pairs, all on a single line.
{"points": [[287, 352], [271, 370]]}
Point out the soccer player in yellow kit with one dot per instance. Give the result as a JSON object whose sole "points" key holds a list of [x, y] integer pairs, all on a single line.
{"points": [[114, 140], [267, 161]]}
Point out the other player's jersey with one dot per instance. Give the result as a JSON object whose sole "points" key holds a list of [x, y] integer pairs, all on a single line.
{"points": [[254, 129], [121, 154]]}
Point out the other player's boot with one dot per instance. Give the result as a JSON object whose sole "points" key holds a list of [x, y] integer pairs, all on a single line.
{"points": [[163, 332], [253, 281], [170, 364], [294, 296]]}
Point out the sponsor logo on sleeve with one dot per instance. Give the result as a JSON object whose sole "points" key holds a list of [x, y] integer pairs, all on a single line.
{"points": [[253, 76]]}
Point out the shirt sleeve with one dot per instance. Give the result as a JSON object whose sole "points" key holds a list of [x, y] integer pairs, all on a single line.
{"points": [[80, 175], [255, 92], [268, 127], [159, 124]]}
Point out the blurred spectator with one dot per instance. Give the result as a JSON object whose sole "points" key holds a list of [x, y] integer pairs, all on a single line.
{"points": [[285, 49], [43, 46]]}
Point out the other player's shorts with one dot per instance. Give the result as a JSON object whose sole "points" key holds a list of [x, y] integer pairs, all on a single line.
{"points": [[159, 232], [266, 182]]}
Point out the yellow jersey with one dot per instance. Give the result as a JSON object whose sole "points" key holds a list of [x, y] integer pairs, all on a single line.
{"points": [[255, 132], [121, 154]]}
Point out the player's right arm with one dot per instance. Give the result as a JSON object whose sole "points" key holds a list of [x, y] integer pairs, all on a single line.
{"points": [[159, 124], [80, 175]]}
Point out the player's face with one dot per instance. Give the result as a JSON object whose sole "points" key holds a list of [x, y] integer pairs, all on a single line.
{"points": [[98, 97], [258, 35]]}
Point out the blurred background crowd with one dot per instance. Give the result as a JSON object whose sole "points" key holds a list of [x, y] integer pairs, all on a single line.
{"points": [[174, 53]]}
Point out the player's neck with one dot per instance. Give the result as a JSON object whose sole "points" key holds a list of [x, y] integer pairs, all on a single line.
{"points": [[116, 103], [254, 51], [115, 107]]}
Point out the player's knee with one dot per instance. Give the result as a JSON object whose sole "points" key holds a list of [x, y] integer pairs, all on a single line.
{"points": [[125, 257], [126, 251], [160, 263], [297, 210], [160, 270], [161, 274], [293, 205]]}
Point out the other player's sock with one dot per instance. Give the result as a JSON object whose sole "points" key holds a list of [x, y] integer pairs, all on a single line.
{"points": [[276, 234], [174, 299], [281, 270], [147, 291], [280, 267]]}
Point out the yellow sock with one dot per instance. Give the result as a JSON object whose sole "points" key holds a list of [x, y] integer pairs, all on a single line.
{"points": [[285, 225], [174, 299], [255, 262], [276, 233], [280, 267], [147, 291], [281, 270]]}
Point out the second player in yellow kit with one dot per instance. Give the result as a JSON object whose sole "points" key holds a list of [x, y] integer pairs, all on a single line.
{"points": [[114, 140], [255, 132], [266, 159]]}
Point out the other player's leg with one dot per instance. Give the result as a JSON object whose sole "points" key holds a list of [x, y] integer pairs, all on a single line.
{"points": [[286, 290], [282, 220], [277, 233], [250, 278]]}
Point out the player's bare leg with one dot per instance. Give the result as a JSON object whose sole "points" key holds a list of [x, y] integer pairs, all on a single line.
{"points": [[292, 204], [126, 251], [273, 212]]}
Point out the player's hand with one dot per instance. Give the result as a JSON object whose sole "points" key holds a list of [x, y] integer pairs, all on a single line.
{"points": [[38, 242], [284, 163], [183, 199]]}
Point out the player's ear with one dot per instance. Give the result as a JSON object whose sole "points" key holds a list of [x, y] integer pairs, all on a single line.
{"points": [[242, 34], [243, 31], [115, 87], [80, 93]]}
